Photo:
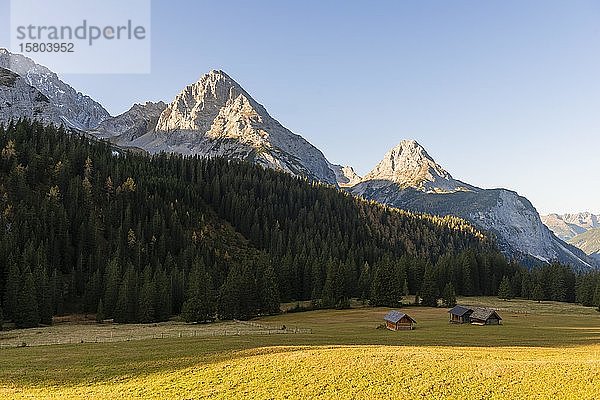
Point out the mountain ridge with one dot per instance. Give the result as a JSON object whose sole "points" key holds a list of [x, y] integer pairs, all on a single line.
{"points": [[131, 124], [216, 117], [589, 242], [409, 165], [74, 108], [567, 226], [407, 177], [18, 99]]}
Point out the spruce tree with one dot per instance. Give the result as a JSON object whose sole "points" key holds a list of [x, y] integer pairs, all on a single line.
{"points": [[405, 288], [449, 295], [526, 290], [331, 289], [267, 289], [200, 303], [93, 292], [100, 316], [11, 291], [538, 293], [505, 292], [27, 315], [147, 298], [162, 300], [597, 296], [558, 291], [237, 296], [112, 280], [429, 290], [364, 282], [121, 312], [387, 289], [44, 296]]}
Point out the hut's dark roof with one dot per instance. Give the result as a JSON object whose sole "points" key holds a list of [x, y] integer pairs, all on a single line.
{"points": [[395, 316], [484, 314], [460, 310]]}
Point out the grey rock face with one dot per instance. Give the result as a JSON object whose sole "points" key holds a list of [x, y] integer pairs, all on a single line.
{"points": [[212, 117], [409, 165], [135, 122], [216, 117], [18, 99], [345, 175], [75, 109], [408, 178]]}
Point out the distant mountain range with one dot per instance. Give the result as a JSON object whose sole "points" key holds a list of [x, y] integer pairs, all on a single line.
{"points": [[580, 229], [589, 242], [567, 226], [215, 116]]}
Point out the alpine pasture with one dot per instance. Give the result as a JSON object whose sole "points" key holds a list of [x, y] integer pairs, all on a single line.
{"points": [[541, 350]]}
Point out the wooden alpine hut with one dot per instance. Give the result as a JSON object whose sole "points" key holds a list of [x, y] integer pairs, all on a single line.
{"points": [[396, 320], [460, 315], [485, 316]]}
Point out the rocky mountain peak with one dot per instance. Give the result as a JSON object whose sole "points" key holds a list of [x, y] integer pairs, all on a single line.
{"points": [[409, 178], [198, 104], [345, 175], [216, 117], [409, 165], [217, 85], [148, 105]]}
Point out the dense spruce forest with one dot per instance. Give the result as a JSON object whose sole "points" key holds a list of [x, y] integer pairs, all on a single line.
{"points": [[87, 228]]}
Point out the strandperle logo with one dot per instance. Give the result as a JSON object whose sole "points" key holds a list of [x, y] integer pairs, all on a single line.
{"points": [[75, 36], [85, 31]]}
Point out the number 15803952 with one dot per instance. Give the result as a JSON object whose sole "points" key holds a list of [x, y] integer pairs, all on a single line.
{"points": [[47, 47]]}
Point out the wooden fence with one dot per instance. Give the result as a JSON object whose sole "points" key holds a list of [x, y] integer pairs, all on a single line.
{"points": [[276, 328], [18, 338]]}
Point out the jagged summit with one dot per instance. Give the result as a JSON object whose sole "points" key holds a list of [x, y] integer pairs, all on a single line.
{"points": [[345, 175], [133, 123], [198, 104], [408, 177], [409, 165], [216, 117]]}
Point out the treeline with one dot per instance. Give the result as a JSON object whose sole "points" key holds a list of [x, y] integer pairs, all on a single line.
{"points": [[87, 228], [471, 274]]}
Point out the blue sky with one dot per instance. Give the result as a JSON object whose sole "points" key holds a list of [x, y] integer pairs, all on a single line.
{"points": [[501, 93]]}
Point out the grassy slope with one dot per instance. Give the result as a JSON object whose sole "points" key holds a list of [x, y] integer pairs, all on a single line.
{"points": [[588, 241], [554, 339]]}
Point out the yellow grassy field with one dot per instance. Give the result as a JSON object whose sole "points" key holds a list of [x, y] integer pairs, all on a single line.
{"points": [[361, 372], [541, 351]]}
